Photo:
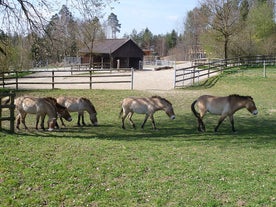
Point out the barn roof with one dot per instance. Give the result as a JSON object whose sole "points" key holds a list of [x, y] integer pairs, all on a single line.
{"points": [[106, 46]]}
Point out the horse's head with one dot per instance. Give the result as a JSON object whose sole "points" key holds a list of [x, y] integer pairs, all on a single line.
{"points": [[63, 112], [93, 119], [170, 113], [168, 108], [250, 106]]}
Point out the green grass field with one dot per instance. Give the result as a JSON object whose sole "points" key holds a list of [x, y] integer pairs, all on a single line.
{"points": [[172, 166]]}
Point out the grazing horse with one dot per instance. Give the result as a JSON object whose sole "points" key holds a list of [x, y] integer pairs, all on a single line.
{"points": [[62, 111], [146, 106], [39, 106], [79, 105], [224, 106]]}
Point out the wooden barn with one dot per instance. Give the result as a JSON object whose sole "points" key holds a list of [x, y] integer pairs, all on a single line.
{"points": [[113, 53]]}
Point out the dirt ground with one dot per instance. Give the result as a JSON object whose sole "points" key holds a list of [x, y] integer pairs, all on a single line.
{"points": [[146, 79]]}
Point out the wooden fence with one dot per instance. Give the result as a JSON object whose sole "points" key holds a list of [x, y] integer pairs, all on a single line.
{"points": [[52, 78], [205, 69], [10, 105]]}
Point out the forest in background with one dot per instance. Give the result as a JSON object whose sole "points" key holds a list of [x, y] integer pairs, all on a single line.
{"points": [[215, 29]]}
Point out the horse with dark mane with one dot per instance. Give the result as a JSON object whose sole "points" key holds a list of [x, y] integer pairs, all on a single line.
{"points": [[39, 106], [146, 106], [79, 105], [223, 106], [62, 111]]}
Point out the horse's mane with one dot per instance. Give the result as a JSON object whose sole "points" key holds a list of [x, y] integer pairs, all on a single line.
{"points": [[89, 102], [54, 101], [239, 96], [163, 99]]}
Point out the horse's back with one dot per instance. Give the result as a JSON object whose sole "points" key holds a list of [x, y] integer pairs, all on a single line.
{"points": [[137, 105], [73, 104], [26, 104], [214, 104]]}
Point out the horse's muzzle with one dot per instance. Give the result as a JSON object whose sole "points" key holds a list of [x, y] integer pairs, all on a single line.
{"points": [[173, 117], [255, 112]]}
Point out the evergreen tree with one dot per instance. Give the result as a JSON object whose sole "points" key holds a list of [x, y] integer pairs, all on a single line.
{"points": [[113, 23]]}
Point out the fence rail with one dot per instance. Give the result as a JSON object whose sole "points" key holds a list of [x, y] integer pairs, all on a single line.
{"points": [[205, 69], [10, 105], [52, 78]]}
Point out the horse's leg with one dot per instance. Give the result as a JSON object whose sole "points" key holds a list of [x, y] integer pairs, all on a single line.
{"points": [[62, 122], [18, 116], [23, 116], [153, 122], [201, 125], [42, 121], [123, 120], [80, 115], [221, 119], [145, 120], [231, 117], [57, 126], [78, 119], [82, 119], [130, 120]]}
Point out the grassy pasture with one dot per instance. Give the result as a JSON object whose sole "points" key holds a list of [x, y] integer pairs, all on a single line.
{"points": [[172, 166]]}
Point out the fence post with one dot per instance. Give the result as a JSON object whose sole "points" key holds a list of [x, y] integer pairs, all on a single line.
{"points": [[209, 68], [264, 71], [53, 79], [90, 79], [174, 82], [3, 79], [0, 112], [16, 80], [132, 78], [12, 107], [193, 75]]}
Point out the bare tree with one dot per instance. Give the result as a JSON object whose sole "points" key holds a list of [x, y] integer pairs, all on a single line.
{"points": [[223, 18], [90, 27], [24, 13]]}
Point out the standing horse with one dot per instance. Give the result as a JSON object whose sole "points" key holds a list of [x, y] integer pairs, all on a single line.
{"points": [[224, 106], [79, 105], [39, 106], [146, 106]]}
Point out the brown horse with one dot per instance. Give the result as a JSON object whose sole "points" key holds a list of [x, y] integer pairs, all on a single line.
{"points": [[79, 105], [146, 106], [39, 106], [224, 106]]}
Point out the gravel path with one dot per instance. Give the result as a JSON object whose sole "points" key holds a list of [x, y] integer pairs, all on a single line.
{"points": [[147, 79]]}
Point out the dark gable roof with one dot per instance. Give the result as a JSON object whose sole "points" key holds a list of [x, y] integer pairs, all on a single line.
{"points": [[106, 46]]}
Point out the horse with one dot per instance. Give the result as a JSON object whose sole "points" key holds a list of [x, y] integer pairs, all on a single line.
{"points": [[146, 106], [62, 111], [74, 104], [39, 106], [223, 106]]}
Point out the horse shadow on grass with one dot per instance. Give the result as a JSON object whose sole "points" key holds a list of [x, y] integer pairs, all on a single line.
{"points": [[184, 128]]}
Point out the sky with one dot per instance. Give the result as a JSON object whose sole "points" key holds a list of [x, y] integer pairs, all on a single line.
{"points": [[159, 16]]}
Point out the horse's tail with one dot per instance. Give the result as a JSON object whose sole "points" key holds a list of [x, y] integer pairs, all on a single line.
{"points": [[194, 110], [121, 112]]}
